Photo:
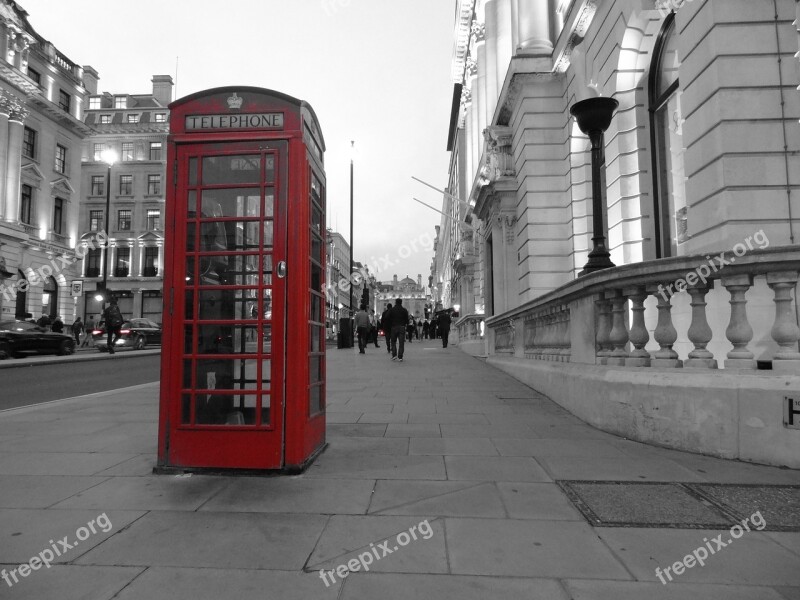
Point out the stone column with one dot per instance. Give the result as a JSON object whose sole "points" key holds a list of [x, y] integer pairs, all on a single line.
{"points": [[14, 162], [476, 145], [699, 331], [739, 331], [5, 113], [479, 33], [785, 331], [533, 27], [490, 81], [504, 48], [603, 330]]}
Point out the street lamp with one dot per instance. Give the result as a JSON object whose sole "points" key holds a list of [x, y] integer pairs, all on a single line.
{"points": [[352, 150], [109, 157], [594, 116]]}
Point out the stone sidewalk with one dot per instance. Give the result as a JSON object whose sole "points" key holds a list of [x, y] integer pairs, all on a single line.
{"points": [[441, 472]]}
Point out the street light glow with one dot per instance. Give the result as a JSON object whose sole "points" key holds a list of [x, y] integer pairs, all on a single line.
{"points": [[109, 156]]}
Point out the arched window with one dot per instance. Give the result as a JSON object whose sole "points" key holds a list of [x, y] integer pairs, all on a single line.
{"points": [[21, 310], [50, 298], [666, 119]]}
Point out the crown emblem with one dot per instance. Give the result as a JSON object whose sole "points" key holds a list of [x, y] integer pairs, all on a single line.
{"points": [[234, 101]]}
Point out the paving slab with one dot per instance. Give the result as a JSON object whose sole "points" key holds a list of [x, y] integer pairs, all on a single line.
{"points": [[378, 467], [338, 446], [541, 501], [415, 430], [41, 491], [70, 582], [440, 498], [635, 590], [453, 446], [621, 469], [518, 548], [212, 540], [386, 537], [26, 532], [293, 495], [335, 430], [495, 468], [363, 586], [580, 448], [67, 463], [216, 584], [753, 559]]}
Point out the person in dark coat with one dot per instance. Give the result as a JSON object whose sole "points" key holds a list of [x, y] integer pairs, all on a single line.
{"points": [[58, 326], [444, 326], [399, 320], [386, 325]]}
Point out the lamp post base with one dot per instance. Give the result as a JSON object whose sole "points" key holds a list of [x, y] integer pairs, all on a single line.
{"points": [[598, 260]]}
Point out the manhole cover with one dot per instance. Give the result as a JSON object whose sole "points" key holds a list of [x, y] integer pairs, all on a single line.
{"points": [[779, 505], [632, 504]]}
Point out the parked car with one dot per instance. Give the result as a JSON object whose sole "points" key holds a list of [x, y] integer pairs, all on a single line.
{"points": [[18, 338], [135, 334]]}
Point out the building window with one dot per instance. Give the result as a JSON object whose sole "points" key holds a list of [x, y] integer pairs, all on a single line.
{"points": [[58, 216], [34, 74], [154, 184], [153, 219], [95, 103], [127, 151], [155, 150], [64, 100], [98, 151], [105, 119], [161, 117], [133, 118], [124, 220], [61, 159], [26, 204], [93, 263], [126, 185], [123, 265], [98, 185], [150, 261], [667, 137], [95, 218], [29, 143], [121, 102]]}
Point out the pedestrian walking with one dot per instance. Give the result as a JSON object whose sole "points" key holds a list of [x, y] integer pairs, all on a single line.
{"points": [[426, 329], [373, 328], [362, 328], [399, 319], [77, 330], [88, 337], [444, 327], [113, 320], [386, 325]]}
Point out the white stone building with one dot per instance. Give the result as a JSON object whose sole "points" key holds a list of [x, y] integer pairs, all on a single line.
{"points": [[697, 193], [41, 102]]}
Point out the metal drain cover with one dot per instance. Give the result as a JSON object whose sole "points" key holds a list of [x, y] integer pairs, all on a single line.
{"points": [[632, 504], [779, 505]]}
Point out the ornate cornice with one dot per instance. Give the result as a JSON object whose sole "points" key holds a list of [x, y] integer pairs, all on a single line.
{"points": [[581, 26]]}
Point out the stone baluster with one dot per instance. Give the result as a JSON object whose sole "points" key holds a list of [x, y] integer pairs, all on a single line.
{"points": [[566, 340], [665, 333], [638, 336], [603, 330], [739, 331], [785, 331], [548, 335], [618, 336], [699, 331]]}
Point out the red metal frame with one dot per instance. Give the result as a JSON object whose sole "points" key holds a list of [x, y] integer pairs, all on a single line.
{"points": [[198, 426]]}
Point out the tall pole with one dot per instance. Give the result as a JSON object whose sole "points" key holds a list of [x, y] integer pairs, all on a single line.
{"points": [[350, 275], [105, 247]]}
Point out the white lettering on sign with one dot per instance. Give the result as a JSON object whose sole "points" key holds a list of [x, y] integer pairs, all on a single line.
{"points": [[237, 121]]}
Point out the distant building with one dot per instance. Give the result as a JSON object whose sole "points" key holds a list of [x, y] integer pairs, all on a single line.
{"points": [[337, 296], [41, 101], [135, 128], [413, 294]]}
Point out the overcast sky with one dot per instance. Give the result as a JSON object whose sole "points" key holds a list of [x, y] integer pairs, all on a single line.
{"points": [[375, 71]]}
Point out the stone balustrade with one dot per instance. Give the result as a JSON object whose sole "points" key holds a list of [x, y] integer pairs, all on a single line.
{"points": [[732, 311]]}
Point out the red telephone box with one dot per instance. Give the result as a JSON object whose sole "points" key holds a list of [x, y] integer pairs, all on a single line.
{"points": [[243, 353]]}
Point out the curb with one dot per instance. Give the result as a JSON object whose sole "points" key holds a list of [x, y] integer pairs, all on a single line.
{"points": [[32, 361]]}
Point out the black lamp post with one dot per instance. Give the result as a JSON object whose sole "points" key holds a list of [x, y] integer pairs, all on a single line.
{"points": [[594, 116], [109, 157]]}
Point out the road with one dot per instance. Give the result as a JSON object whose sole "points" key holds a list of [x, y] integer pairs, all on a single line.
{"points": [[26, 385]]}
